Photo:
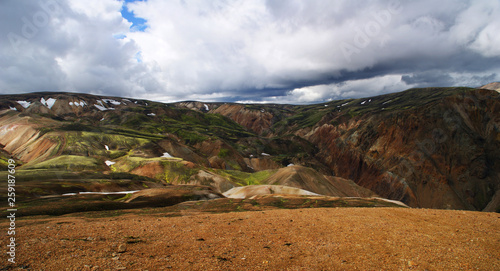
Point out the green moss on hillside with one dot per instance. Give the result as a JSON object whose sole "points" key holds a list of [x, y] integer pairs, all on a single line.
{"points": [[69, 162], [246, 178]]}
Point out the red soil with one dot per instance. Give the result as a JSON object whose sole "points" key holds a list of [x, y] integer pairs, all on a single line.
{"points": [[300, 239]]}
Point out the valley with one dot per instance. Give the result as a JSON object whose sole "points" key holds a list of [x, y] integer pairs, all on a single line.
{"points": [[428, 148]]}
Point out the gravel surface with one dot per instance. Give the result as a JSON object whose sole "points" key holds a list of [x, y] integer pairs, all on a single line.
{"points": [[300, 239]]}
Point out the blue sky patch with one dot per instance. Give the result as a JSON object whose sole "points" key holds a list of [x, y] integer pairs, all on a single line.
{"points": [[138, 24]]}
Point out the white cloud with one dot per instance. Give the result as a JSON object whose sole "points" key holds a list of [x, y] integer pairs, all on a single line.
{"points": [[282, 51], [348, 89]]}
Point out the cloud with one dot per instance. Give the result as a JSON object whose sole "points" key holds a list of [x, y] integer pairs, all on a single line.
{"points": [[293, 51], [348, 89]]}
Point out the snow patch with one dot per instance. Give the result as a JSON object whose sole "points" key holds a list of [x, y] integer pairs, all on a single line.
{"points": [[100, 107], [48, 103], [13, 108], [206, 107], [102, 119], [387, 102], [345, 104], [392, 201], [80, 103], [70, 194], [265, 154], [111, 101], [100, 193], [106, 147], [109, 163], [24, 104], [363, 102], [290, 165], [151, 114], [167, 155]]}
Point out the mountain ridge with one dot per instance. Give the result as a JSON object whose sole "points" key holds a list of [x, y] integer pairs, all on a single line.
{"points": [[432, 147]]}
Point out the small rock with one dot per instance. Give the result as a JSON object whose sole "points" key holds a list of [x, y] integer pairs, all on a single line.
{"points": [[122, 248]]}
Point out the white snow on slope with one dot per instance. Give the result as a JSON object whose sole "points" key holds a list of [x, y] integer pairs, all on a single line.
{"points": [[24, 104], [80, 103], [13, 108], [107, 148], [100, 107], [111, 101], [167, 155], [109, 163], [48, 103], [100, 193], [206, 107]]}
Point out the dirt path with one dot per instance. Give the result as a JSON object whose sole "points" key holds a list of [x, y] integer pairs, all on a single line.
{"points": [[301, 239]]}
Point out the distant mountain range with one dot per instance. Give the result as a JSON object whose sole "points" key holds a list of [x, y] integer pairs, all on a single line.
{"points": [[429, 148]]}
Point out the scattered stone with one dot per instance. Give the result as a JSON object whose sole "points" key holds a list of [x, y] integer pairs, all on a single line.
{"points": [[122, 248], [411, 263]]}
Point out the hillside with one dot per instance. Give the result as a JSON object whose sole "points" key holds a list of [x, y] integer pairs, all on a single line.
{"points": [[300, 239], [431, 148]]}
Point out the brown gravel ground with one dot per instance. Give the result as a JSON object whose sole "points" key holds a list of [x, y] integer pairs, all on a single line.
{"points": [[299, 239]]}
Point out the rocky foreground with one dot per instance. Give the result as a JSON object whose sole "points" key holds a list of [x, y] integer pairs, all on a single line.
{"points": [[299, 239]]}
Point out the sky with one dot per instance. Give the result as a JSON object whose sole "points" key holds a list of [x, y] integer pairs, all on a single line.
{"points": [[252, 51]]}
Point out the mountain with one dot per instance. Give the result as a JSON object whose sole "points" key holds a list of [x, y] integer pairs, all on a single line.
{"points": [[429, 148], [492, 86]]}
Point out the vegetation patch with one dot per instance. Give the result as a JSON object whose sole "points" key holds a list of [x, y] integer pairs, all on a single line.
{"points": [[246, 178], [69, 162], [176, 172]]}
